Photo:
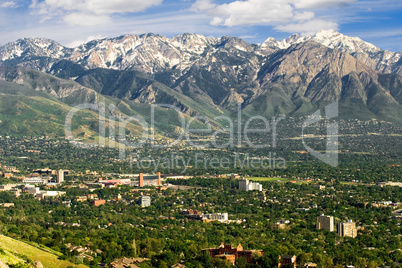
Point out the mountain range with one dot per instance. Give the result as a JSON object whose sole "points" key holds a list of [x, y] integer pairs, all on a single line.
{"points": [[210, 76]]}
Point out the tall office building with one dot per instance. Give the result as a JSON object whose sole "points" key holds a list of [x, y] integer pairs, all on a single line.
{"points": [[60, 176], [325, 222], [247, 185], [243, 184], [347, 229]]}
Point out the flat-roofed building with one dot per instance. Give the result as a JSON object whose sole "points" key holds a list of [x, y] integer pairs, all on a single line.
{"points": [[44, 194], [7, 187], [60, 176], [230, 253], [6, 205], [288, 260], [347, 229], [145, 201], [35, 180], [149, 180], [32, 190], [8, 175], [247, 185], [98, 202], [325, 222], [216, 217]]}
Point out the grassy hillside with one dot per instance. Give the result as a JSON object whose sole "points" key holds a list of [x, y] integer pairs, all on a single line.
{"points": [[27, 109], [14, 251], [268, 179], [24, 111]]}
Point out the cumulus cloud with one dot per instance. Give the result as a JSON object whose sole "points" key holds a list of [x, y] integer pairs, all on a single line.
{"points": [[307, 4], [308, 27], [201, 5], [304, 16], [216, 21], [9, 4], [76, 43], [252, 12], [89, 12], [102, 6], [84, 19], [284, 15]]}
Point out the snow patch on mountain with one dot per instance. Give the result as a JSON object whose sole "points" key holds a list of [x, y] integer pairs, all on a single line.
{"points": [[151, 53], [376, 58]]}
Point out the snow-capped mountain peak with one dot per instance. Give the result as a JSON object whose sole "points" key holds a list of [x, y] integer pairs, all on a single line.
{"points": [[334, 39], [367, 53], [285, 43], [39, 46], [152, 53], [328, 38]]}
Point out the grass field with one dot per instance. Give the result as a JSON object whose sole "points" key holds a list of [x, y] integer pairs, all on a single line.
{"points": [[14, 249], [268, 179]]}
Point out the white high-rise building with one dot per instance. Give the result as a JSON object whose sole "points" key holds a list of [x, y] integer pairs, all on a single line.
{"points": [[243, 185], [247, 185], [347, 229], [60, 176]]}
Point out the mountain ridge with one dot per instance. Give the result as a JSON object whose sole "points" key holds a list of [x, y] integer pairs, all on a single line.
{"points": [[210, 76], [121, 52], [378, 59]]}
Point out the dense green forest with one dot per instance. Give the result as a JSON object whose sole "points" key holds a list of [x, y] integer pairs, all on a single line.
{"points": [[368, 154], [152, 232]]}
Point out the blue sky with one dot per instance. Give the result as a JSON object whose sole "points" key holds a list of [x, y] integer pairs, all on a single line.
{"points": [[71, 22]]}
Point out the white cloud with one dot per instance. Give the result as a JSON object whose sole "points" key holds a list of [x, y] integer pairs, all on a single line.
{"points": [[304, 16], [284, 15], [86, 19], [201, 5], [168, 24], [102, 6], [216, 21], [39, 8], [76, 43], [170, 19], [252, 12], [308, 27], [309, 4], [88, 12], [9, 4], [120, 6]]}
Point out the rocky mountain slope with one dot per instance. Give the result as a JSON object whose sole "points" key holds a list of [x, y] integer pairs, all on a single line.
{"points": [[36, 103], [209, 76], [378, 59], [308, 75], [152, 53]]}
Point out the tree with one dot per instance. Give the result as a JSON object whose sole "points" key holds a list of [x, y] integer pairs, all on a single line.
{"points": [[241, 262]]}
